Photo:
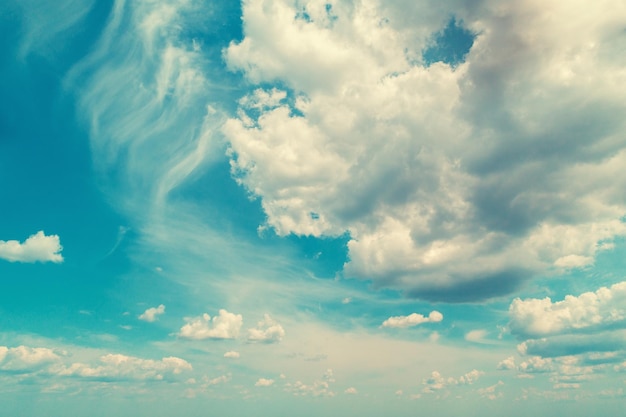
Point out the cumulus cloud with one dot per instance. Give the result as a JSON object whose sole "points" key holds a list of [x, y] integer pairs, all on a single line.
{"points": [[41, 360], [117, 366], [454, 183], [412, 320], [223, 326], [267, 331], [542, 317], [351, 391], [507, 364], [37, 248], [151, 314], [262, 382], [232, 354], [26, 359], [436, 381]]}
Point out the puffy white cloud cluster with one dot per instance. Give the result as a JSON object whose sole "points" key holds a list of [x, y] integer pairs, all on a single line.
{"points": [[436, 381], [413, 320], [267, 331], [542, 317], [318, 388], [37, 248], [117, 366], [26, 359], [41, 360], [152, 313], [457, 183], [262, 382], [223, 326]]}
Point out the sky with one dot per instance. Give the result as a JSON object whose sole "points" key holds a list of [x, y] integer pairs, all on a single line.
{"points": [[305, 207]]}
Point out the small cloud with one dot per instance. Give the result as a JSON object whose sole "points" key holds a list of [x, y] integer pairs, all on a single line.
{"points": [[223, 326], [434, 337], [346, 300], [507, 364], [351, 390], [231, 354], [37, 248], [126, 327], [262, 382], [399, 392], [412, 320], [150, 315], [476, 336], [267, 331]]}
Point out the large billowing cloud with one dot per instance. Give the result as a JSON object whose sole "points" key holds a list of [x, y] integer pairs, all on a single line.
{"points": [[37, 248], [455, 183]]}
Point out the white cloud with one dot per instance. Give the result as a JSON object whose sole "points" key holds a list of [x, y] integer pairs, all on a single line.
{"points": [[491, 391], [412, 320], [267, 331], [436, 381], [151, 314], [119, 366], [476, 336], [542, 317], [232, 354], [507, 364], [223, 326], [262, 382], [351, 390], [41, 360], [491, 172], [26, 359], [37, 248]]}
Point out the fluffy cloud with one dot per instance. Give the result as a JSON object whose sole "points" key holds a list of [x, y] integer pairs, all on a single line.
{"points": [[454, 184], [436, 381], [26, 359], [507, 364], [262, 382], [267, 331], [412, 320], [151, 314], [223, 326], [542, 317], [351, 391], [37, 248], [117, 366], [41, 360], [232, 354]]}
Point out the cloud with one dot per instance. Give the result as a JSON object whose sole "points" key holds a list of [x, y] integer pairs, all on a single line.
{"points": [[117, 366], [37, 248], [267, 331], [151, 314], [26, 359], [223, 326], [45, 361], [542, 317], [476, 336], [412, 320], [231, 354], [262, 382], [351, 390], [507, 364], [454, 183], [436, 381]]}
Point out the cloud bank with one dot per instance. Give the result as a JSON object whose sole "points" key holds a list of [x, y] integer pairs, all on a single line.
{"points": [[455, 182]]}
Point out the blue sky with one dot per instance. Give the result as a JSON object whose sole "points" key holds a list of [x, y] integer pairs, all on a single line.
{"points": [[321, 207]]}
